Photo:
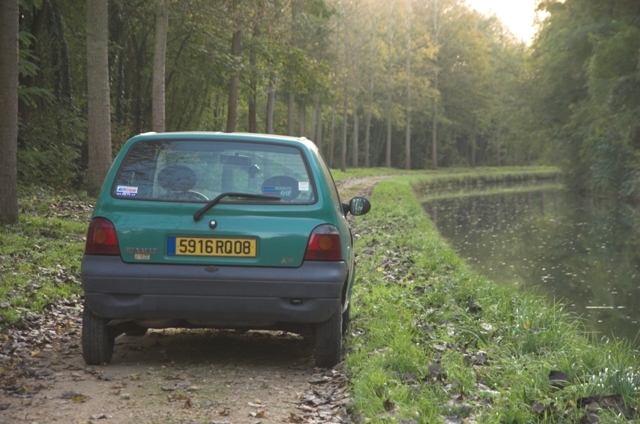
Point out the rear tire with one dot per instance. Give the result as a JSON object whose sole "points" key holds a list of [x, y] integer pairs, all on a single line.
{"points": [[97, 343], [346, 319], [329, 341]]}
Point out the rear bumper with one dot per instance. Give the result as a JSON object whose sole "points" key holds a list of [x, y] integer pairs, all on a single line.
{"points": [[211, 295]]}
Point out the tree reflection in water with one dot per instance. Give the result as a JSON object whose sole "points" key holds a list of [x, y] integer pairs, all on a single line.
{"points": [[581, 251]]}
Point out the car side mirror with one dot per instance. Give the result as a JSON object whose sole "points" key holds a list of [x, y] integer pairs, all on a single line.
{"points": [[357, 206]]}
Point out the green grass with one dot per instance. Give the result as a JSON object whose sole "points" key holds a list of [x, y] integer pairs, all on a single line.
{"points": [[430, 337], [428, 178], [40, 259]]}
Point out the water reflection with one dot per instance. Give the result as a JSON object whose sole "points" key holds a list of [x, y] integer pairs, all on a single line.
{"points": [[582, 251]]}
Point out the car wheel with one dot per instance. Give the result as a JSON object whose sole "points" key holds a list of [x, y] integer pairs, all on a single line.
{"points": [[329, 341], [346, 319], [97, 343], [136, 330]]}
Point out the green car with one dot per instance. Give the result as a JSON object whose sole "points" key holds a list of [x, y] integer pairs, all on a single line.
{"points": [[215, 230]]}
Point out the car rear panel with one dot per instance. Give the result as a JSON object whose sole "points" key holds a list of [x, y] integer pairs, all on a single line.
{"points": [[142, 199], [227, 294], [147, 231]]}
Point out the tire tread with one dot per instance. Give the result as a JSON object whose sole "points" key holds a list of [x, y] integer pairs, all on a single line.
{"points": [[97, 343], [329, 341]]}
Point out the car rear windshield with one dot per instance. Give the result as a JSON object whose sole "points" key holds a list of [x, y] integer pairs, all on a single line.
{"points": [[198, 171]]}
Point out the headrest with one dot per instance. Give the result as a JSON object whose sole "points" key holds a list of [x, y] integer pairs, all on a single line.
{"points": [[177, 178]]}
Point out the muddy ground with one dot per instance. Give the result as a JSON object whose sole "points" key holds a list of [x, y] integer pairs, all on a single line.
{"points": [[168, 376]]}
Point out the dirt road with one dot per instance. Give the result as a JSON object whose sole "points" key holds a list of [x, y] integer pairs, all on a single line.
{"points": [[167, 376]]}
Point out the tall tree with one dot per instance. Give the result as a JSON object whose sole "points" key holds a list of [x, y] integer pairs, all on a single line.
{"points": [[356, 85], [9, 56], [99, 111], [271, 100], [389, 87], [159, 59], [234, 82], [345, 125], [253, 85], [370, 96], [434, 127], [407, 151], [290, 114]]}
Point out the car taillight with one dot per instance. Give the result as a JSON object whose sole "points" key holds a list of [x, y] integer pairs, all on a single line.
{"points": [[101, 238], [324, 244]]}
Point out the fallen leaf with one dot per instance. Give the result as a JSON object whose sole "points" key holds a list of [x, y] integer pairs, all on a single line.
{"points": [[259, 414], [179, 396], [78, 398], [293, 418]]}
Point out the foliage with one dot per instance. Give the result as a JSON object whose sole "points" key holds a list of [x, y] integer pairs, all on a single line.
{"points": [[570, 99], [309, 48], [587, 60]]}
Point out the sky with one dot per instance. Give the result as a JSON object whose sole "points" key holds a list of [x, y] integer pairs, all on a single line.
{"points": [[517, 15]]}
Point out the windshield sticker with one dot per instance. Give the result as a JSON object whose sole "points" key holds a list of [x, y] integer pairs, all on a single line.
{"points": [[303, 186], [126, 191], [281, 191]]}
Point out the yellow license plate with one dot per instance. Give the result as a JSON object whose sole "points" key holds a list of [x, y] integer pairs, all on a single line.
{"points": [[210, 246]]}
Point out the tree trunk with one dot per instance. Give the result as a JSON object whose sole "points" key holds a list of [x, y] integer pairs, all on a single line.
{"points": [[407, 150], [98, 102], [290, 116], [253, 99], [314, 117], [302, 119], [434, 129], [389, 82], [232, 110], [473, 147], [159, 59], [388, 155], [9, 54], [356, 95], [367, 137], [318, 139], [434, 133], [271, 98], [343, 153], [498, 153], [356, 130], [367, 131], [332, 133]]}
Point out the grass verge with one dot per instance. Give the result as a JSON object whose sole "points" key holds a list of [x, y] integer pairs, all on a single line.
{"points": [[433, 341], [40, 255], [456, 177]]}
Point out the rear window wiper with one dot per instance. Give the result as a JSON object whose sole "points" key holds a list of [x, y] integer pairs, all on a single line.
{"points": [[212, 202]]}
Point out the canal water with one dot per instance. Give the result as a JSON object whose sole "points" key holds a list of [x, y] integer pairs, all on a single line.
{"points": [[581, 251]]}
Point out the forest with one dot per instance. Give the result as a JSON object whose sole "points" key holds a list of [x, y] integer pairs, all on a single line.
{"points": [[398, 83]]}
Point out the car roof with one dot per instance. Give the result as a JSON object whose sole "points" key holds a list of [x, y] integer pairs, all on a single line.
{"points": [[221, 136]]}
